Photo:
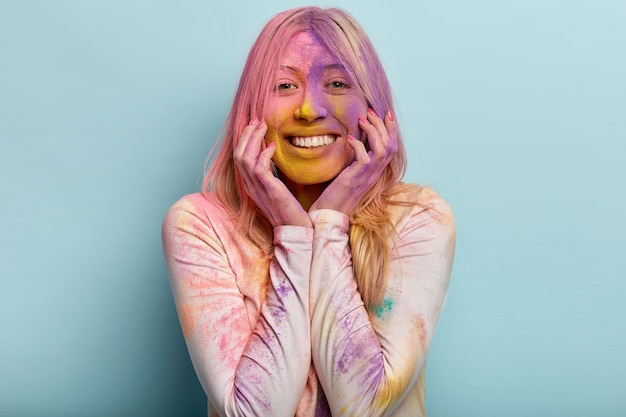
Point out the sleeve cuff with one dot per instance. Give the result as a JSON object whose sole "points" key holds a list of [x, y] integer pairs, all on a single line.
{"points": [[330, 218], [292, 234]]}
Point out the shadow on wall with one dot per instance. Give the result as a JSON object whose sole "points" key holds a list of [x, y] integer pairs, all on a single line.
{"points": [[173, 387], [181, 393]]}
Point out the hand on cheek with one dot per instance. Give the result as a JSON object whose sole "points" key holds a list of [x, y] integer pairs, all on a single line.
{"points": [[349, 187], [268, 192]]}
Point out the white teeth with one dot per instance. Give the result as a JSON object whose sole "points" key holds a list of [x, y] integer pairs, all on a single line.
{"points": [[312, 141]]}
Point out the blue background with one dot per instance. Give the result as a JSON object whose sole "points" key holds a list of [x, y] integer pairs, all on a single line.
{"points": [[514, 110]]}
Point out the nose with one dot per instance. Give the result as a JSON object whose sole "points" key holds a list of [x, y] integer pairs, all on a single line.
{"points": [[312, 106]]}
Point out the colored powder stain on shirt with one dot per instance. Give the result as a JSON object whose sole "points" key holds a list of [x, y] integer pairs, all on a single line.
{"points": [[420, 327], [284, 289], [186, 318], [384, 308]]}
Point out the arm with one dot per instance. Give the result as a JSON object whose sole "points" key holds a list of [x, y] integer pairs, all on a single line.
{"points": [[245, 368], [367, 363]]}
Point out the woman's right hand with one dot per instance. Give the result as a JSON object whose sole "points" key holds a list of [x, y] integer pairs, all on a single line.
{"points": [[269, 193]]}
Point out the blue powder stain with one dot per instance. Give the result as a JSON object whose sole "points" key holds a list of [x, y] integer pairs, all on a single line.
{"points": [[385, 307]]}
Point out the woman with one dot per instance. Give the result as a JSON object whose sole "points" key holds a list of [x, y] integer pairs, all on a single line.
{"points": [[308, 279]]}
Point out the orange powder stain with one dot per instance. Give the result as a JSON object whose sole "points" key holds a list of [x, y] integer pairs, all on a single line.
{"points": [[186, 319], [420, 328]]}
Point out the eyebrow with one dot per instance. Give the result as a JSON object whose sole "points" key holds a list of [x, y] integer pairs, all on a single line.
{"points": [[322, 66]]}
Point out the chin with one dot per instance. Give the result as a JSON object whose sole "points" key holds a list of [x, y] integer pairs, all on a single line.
{"points": [[310, 176]]}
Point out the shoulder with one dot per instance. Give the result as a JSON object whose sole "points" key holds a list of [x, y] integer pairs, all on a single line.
{"points": [[432, 203], [195, 212], [423, 206], [196, 202]]}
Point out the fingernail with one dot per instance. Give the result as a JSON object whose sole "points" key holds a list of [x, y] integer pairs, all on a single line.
{"points": [[261, 124], [390, 115], [350, 137], [364, 120], [371, 112], [253, 121]]}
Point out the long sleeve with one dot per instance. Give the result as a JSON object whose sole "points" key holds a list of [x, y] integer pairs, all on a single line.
{"points": [[245, 367], [367, 363]]}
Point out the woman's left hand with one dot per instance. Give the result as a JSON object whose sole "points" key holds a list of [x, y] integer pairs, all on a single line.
{"points": [[348, 188]]}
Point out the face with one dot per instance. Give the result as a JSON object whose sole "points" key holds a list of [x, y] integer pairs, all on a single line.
{"points": [[314, 106]]}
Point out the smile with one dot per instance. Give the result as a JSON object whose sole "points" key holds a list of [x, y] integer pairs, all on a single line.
{"points": [[312, 141]]}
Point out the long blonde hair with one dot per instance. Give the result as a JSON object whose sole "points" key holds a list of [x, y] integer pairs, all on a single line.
{"points": [[370, 224]]}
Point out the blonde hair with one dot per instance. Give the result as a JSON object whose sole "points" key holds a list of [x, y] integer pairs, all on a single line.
{"points": [[370, 223]]}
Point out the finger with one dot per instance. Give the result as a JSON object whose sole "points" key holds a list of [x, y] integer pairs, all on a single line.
{"points": [[392, 132], [373, 136], [360, 153], [244, 138], [266, 156], [253, 146], [379, 143], [263, 168]]}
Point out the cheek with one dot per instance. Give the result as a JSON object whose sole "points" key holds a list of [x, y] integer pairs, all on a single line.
{"points": [[349, 113], [275, 119]]}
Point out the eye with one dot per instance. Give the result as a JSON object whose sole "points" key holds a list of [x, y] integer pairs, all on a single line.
{"points": [[337, 85], [285, 87]]}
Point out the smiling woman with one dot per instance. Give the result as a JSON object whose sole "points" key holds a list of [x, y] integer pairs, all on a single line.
{"points": [[312, 116], [308, 278]]}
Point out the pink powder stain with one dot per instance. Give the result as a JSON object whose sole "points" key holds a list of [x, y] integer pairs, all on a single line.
{"points": [[224, 342], [228, 335]]}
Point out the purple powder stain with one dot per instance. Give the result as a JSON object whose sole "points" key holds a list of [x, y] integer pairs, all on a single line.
{"points": [[284, 288], [351, 352], [279, 311], [373, 374]]}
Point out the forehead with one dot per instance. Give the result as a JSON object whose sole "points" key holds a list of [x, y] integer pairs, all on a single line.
{"points": [[304, 49]]}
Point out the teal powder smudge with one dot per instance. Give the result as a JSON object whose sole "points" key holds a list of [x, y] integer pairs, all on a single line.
{"points": [[385, 307]]}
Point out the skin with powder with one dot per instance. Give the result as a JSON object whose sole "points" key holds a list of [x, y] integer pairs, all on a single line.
{"points": [[314, 99], [308, 278]]}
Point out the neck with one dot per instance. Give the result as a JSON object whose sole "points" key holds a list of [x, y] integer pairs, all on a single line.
{"points": [[305, 194]]}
